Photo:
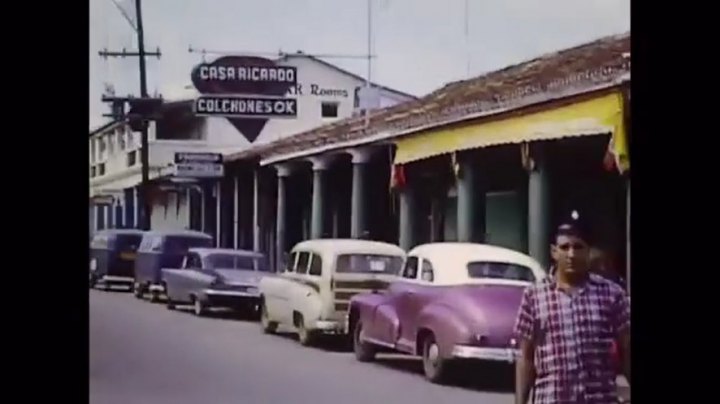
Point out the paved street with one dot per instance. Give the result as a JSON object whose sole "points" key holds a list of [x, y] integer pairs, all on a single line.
{"points": [[142, 353]]}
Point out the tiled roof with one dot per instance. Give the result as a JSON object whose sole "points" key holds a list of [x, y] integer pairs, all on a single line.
{"points": [[570, 71]]}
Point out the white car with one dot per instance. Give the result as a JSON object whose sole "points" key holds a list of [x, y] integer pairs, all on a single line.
{"points": [[311, 296]]}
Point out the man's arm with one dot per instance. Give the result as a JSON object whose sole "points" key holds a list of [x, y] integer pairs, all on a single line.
{"points": [[625, 351], [621, 323], [525, 333], [524, 371]]}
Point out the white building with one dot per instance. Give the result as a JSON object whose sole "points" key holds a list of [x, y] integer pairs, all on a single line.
{"points": [[325, 93]]}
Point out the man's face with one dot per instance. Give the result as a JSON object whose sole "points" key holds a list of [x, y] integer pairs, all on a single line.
{"points": [[571, 254]]}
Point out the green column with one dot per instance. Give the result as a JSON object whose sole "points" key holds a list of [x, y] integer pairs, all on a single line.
{"points": [[317, 223], [407, 216], [627, 235], [538, 208], [360, 158], [466, 202], [280, 221]]}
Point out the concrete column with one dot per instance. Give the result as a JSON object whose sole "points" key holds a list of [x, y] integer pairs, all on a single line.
{"points": [[317, 223], [202, 209], [538, 208], [466, 202], [136, 205], [188, 199], [96, 217], [256, 214], [218, 213], [236, 212], [283, 172], [360, 157], [407, 218], [627, 236]]}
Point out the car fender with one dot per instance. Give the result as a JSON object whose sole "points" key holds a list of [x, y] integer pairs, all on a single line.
{"points": [[446, 323]]}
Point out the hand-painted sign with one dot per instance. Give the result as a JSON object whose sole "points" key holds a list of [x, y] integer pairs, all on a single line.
{"points": [[229, 86], [241, 106]]}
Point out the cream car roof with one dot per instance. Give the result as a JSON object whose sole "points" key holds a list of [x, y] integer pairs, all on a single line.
{"points": [[449, 261], [349, 246]]}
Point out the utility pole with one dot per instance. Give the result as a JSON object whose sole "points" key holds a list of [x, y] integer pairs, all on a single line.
{"points": [[142, 110]]}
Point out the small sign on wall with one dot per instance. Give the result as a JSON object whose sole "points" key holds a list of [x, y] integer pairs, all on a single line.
{"points": [[198, 165]]}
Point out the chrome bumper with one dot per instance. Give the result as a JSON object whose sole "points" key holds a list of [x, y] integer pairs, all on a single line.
{"points": [[330, 326], [490, 354], [231, 293], [117, 279]]}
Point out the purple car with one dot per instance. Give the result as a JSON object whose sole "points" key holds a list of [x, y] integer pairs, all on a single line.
{"points": [[452, 301]]}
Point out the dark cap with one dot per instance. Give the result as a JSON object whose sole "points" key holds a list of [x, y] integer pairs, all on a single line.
{"points": [[573, 226]]}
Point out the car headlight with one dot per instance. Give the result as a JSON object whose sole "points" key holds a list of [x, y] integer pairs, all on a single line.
{"points": [[252, 289]]}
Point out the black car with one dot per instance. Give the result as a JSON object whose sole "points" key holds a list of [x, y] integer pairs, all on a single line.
{"points": [[163, 249]]}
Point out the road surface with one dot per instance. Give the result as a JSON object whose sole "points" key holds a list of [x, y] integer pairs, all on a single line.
{"points": [[143, 353]]}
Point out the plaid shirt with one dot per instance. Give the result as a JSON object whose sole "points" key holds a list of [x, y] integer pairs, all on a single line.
{"points": [[573, 334]]}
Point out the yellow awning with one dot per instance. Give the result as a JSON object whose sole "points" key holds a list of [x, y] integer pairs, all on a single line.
{"points": [[601, 115]]}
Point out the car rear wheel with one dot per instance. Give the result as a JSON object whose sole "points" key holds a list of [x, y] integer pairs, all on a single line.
{"points": [[364, 351], [137, 290], [268, 327], [199, 308], [436, 368]]}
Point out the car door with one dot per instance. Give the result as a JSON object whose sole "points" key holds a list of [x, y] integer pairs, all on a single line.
{"points": [[276, 292], [192, 279], [408, 301], [298, 290]]}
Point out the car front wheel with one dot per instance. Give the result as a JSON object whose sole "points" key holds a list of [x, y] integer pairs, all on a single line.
{"points": [[364, 351], [268, 327]]}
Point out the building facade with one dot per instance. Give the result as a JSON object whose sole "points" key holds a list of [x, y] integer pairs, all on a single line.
{"points": [[325, 94], [485, 160]]}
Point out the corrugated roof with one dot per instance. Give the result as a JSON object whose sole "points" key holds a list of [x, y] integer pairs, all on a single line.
{"points": [[573, 70]]}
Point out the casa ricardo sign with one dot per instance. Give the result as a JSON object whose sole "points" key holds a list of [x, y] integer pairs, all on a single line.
{"points": [[246, 90]]}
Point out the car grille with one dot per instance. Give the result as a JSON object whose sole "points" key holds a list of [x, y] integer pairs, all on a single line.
{"points": [[345, 290]]}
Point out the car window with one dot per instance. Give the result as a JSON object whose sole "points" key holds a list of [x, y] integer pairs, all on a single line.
{"points": [[411, 268], [290, 264], [303, 261], [236, 261], [500, 270], [368, 264], [193, 261], [315, 265], [427, 274]]}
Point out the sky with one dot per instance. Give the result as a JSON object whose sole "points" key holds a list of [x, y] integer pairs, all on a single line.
{"points": [[420, 44]]}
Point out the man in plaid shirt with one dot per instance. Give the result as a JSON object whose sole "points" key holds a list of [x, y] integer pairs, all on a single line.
{"points": [[566, 326]]}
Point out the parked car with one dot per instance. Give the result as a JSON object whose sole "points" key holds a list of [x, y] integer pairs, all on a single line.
{"points": [[163, 249], [313, 292], [112, 257], [453, 301], [216, 277]]}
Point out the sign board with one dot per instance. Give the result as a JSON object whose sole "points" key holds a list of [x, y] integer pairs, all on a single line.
{"points": [[247, 90], [191, 157], [245, 106], [199, 170], [103, 200]]}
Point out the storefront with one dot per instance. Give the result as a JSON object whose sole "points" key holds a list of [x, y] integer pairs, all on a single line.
{"points": [[508, 179]]}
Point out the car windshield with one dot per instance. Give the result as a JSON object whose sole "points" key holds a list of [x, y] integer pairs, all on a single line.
{"points": [[180, 244], [369, 263], [500, 270], [236, 261]]}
